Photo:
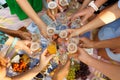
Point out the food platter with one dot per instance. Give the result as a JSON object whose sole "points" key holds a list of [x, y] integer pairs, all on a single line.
{"points": [[19, 63]]}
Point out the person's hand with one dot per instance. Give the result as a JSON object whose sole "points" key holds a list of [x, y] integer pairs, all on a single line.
{"points": [[73, 32], [23, 45], [50, 15], [84, 14], [62, 71], [3, 65], [87, 43], [43, 31], [82, 55], [2, 69], [24, 35], [45, 58]]}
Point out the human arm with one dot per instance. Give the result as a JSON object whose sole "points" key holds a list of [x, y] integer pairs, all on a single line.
{"points": [[84, 4], [26, 7], [19, 44], [50, 14], [108, 69], [17, 33], [8, 31], [98, 3], [87, 12], [30, 74], [109, 43], [62, 71], [106, 16]]}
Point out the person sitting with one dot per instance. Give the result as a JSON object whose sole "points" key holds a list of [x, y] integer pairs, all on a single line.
{"points": [[110, 18]]}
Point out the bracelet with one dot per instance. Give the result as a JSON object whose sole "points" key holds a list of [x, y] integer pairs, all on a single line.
{"points": [[11, 47], [92, 4], [14, 42]]}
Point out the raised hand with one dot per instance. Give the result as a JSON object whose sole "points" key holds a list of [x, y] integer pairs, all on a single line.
{"points": [[24, 35], [73, 32], [84, 14], [87, 43], [45, 58]]}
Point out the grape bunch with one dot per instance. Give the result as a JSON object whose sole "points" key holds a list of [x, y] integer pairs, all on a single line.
{"points": [[83, 72], [72, 71]]}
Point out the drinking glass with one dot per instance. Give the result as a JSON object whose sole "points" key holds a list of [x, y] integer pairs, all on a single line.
{"points": [[62, 18], [52, 47], [76, 23], [52, 5], [35, 49], [50, 31], [63, 34], [72, 48], [63, 58], [63, 2]]}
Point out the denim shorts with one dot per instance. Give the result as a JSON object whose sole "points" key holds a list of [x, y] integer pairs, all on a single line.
{"points": [[109, 31]]}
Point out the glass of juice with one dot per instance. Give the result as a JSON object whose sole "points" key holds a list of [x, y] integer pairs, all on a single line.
{"points": [[52, 47]]}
